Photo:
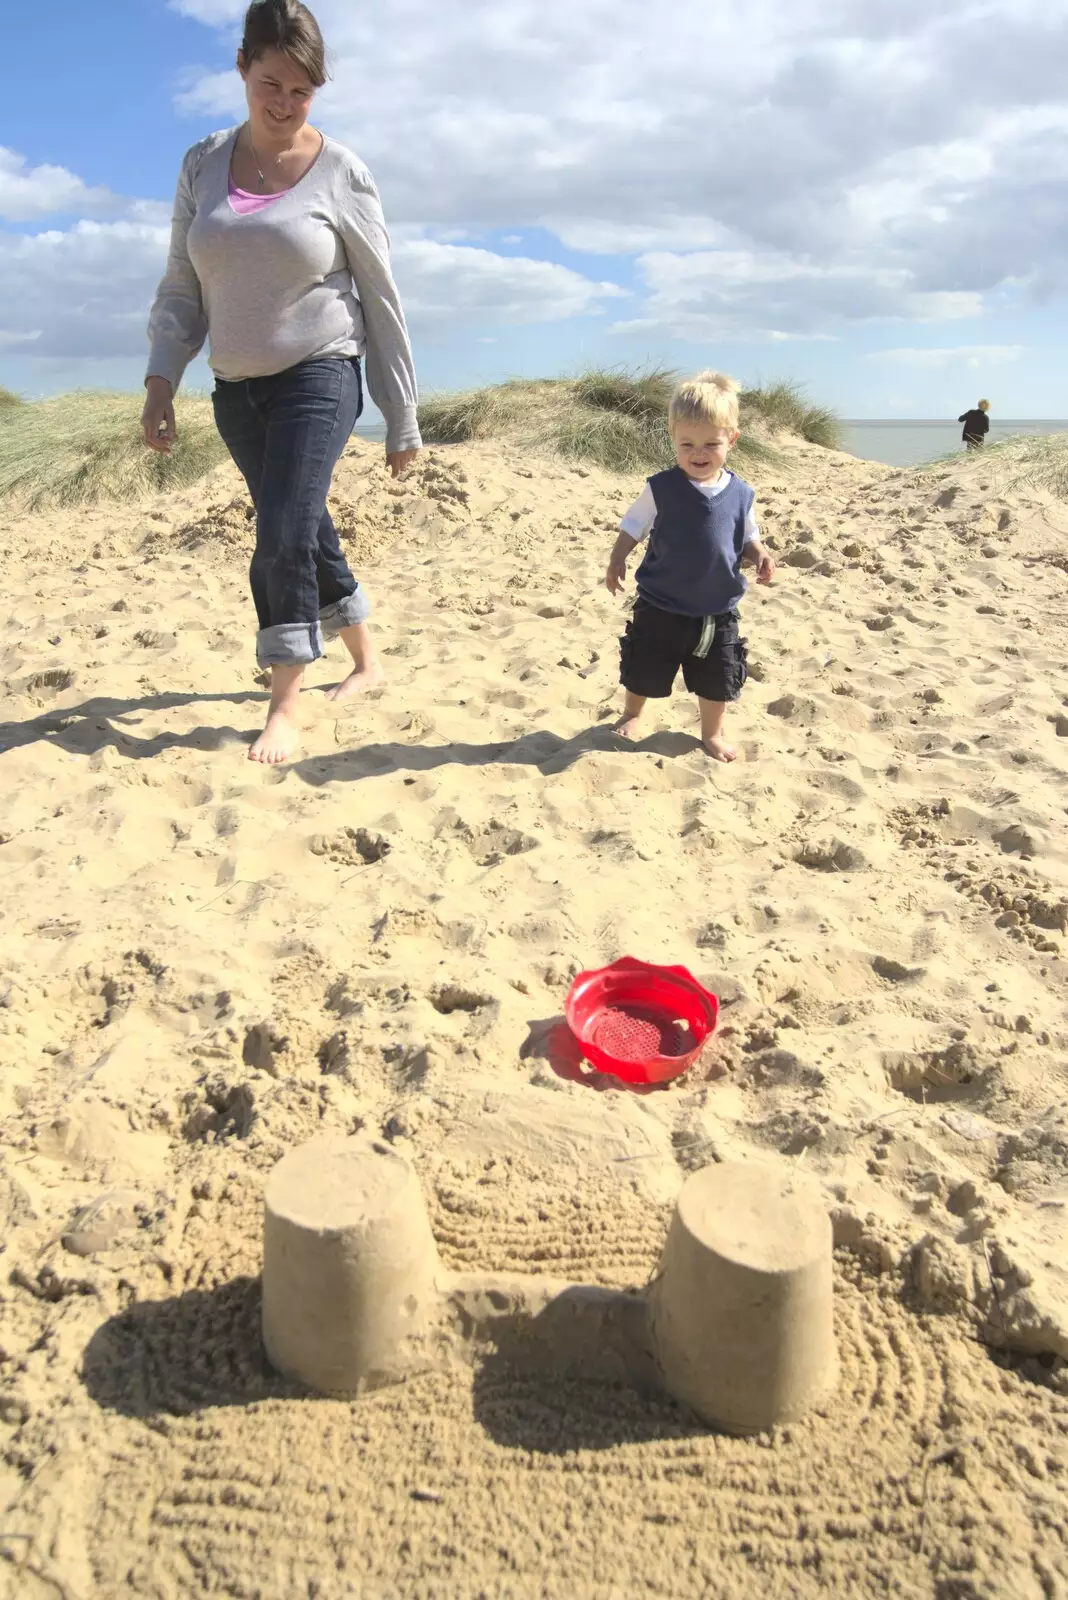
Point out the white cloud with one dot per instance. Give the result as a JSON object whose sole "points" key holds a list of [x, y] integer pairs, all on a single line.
{"points": [[217, 94], [973, 356], [29, 194], [80, 292], [872, 159], [715, 294], [777, 336], [636, 236], [442, 284], [922, 148], [214, 12]]}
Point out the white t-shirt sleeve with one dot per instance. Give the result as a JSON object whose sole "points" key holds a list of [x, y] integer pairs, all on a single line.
{"points": [[637, 522]]}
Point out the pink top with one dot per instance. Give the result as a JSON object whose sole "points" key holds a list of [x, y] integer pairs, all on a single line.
{"points": [[243, 203]]}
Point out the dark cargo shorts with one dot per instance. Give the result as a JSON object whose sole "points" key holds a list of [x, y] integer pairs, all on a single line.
{"points": [[657, 643]]}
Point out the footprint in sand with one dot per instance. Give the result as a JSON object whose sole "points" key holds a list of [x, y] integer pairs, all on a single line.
{"points": [[350, 846], [53, 681]]}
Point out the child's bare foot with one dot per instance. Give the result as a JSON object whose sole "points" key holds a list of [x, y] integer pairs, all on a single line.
{"points": [[277, 742], [633, 706], [718, 748], [358, 682]]}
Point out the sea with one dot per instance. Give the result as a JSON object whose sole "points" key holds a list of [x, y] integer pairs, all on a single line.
{"points": [[907, 444], [898, 444]]}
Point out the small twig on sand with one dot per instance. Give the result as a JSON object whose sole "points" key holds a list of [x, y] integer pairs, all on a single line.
{"points": [[885, 1116], [994, 1287], [223, 893]]}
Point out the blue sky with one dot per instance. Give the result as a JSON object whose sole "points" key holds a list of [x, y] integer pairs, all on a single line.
{"points": [[865, 196]]}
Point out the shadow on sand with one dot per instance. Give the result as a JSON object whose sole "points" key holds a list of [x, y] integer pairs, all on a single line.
{"points": [[84, 729], [546, 751], [181, 1355], [94, 724], [202, 1349], [551, 1040]]}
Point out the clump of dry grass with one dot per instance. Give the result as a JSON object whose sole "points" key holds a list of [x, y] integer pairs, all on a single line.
{"points": [[613, 418], [617, 419], [86, 448], [490, 413], [784, 405], [1036, 462]]}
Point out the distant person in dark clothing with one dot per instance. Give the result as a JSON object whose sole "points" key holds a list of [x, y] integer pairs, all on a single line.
{"points": [[976, 425]]}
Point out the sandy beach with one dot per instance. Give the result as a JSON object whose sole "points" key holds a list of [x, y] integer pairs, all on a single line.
{"points": [[205, 963]]}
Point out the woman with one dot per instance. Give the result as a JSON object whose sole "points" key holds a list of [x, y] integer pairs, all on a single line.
{"points": [[280, 258]]}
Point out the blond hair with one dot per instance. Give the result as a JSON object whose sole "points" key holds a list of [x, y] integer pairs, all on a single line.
{"points": [[709, 397], [984, 405]]}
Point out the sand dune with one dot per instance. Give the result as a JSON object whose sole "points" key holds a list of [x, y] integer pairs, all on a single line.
{"points": [[205, 962]]}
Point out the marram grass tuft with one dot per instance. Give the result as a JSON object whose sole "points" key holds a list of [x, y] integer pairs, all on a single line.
{"points": [[86, 449], [612, 418]]}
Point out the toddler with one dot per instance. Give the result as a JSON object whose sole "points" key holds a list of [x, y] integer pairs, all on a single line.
{"points": [[698, 517]]}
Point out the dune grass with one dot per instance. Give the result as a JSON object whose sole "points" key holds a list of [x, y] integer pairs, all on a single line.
{"points": [[86, 449], [606, 418], [785, 405], [1037, 462], [615, 419], [1020, 462]]}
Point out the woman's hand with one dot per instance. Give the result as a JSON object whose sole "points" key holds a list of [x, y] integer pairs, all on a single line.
{"points": [[398, 461], [157, 419]]}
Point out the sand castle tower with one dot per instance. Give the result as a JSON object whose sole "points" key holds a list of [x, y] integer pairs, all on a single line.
{"points": [[737, 1323]]}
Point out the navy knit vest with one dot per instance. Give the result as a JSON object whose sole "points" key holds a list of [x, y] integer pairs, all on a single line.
{"points": [[692, 565]]}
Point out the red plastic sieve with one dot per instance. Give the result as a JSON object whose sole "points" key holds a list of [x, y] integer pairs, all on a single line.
{"points": [[642, 1023]]}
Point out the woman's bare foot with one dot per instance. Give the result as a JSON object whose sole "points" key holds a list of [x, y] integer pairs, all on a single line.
{"points": [[278, 740], [281, 734], [719, 749], [366, 668], [359, 680]]}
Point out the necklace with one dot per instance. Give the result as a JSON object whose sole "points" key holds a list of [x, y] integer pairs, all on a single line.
{"points": [[255, 157]]}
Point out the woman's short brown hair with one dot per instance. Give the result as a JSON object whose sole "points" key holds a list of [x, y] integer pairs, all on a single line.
{"points": [[289, 26]]}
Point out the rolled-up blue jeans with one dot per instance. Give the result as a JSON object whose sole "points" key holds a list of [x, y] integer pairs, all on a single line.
{"points": [[285, 433]]}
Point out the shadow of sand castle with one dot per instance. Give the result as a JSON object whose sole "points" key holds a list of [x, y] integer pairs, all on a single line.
{"points": [[203, 1349], [537, 1386], [557, 1415], [198, 1349]]}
